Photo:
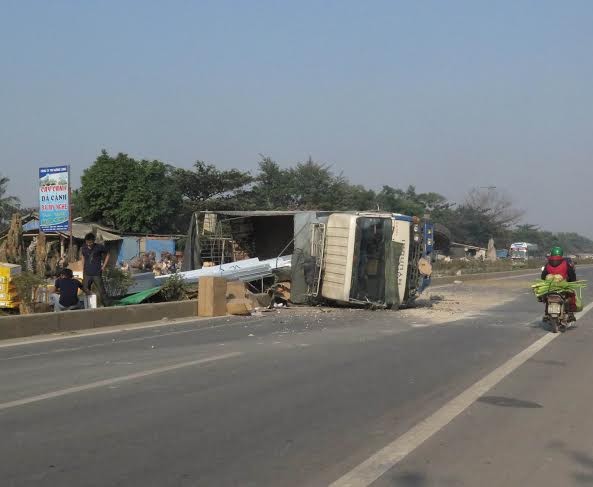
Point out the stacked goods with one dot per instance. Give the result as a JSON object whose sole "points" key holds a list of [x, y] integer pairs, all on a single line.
{"points": [[8, 295], [554, 285]]}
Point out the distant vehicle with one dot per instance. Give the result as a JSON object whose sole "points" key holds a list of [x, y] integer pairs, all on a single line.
{"points": [[523, 251], [502, 254]]}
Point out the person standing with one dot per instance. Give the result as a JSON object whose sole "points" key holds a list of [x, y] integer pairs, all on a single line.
{"points": [[94, 261]]}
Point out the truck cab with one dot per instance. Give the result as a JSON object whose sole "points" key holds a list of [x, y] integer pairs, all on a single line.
{"points": [[376, 259]]}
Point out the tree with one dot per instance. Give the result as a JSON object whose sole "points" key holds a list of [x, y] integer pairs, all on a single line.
{"points": [[308, 185], [483, 215], [129, 195], [152, 201], [270, 190], [409, 202], [529, 233], [498, 205], [357, 197], [103, 187], [8, 204], [475, 226], [313, 186], [571, 242], [206, 187]]}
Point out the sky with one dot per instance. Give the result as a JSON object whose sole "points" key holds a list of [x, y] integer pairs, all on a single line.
{"points": [[443, 95]]}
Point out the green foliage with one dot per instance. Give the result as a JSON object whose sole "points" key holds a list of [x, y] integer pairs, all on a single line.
{"points": [[129, 195], [541, 288], [174, 288], [271, 189], [409, 202], [571, 242], [153, 197], [25, 284], [206, 187], [306, 186], [117, 281]]}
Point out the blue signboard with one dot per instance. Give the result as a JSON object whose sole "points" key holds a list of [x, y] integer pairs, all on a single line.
{"points": [[54, 199]]}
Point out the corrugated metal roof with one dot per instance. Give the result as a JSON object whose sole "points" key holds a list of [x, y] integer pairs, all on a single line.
{"points": [[79, 230]]}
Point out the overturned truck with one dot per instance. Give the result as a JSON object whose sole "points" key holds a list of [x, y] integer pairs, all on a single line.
{"points": [[371, 259]]}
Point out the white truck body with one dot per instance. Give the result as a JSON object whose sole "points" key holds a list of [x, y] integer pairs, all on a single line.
{"points": [[338, 257], [357, 259]]}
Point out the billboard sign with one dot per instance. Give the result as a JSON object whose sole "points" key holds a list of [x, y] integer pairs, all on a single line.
{"points": [[54, 199]]}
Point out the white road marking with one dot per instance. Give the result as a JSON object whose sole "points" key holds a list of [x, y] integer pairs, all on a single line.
{"points": [[388, 457], [114, 380], [200, 327]]}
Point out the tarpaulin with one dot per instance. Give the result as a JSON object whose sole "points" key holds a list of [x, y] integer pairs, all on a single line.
{"points": [[138, 297]]}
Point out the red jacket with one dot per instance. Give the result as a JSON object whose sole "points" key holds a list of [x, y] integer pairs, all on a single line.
{"points": [[564, 269]]}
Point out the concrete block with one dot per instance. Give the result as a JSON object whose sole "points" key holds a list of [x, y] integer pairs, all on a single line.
{"points": [[212, 296], [235, 290], [239, 307]]}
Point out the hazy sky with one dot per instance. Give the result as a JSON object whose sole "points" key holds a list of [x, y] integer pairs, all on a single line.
{"points": [[444, 95]]}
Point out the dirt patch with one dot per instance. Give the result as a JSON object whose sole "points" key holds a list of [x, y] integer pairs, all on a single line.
{"points": [[443, 304], [456, 302]]}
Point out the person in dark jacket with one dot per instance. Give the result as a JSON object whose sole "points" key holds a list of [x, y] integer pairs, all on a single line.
{"points": [[66, 297], [94, 261]]}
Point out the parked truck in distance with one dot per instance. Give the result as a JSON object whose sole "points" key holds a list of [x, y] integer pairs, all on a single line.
{"points": [[521, 252]]}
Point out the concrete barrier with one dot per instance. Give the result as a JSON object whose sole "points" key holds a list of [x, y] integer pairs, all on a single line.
{"points": [[46, 323]]}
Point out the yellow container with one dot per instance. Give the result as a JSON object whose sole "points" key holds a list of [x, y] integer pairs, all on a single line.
{"points": [[8, 296], [6, 287], [9, 270]]}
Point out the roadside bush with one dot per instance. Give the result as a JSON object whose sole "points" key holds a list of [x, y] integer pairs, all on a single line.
{"points": [[26, 285], [117, 282], [174, 288]]}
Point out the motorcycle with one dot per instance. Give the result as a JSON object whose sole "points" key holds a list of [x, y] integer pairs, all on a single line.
{"points": [[557, 311]]}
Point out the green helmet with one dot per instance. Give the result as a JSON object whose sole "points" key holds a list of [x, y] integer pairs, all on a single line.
{"points": [[556, 252]]}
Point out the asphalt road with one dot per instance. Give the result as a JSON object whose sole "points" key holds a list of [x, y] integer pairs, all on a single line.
{"points": [[293, 398]]}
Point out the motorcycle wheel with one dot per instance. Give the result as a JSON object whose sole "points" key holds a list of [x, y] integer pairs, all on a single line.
{"points": [[554, 324]]}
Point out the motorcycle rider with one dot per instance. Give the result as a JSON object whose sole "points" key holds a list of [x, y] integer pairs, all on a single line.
{"points": [[558, 265]]}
